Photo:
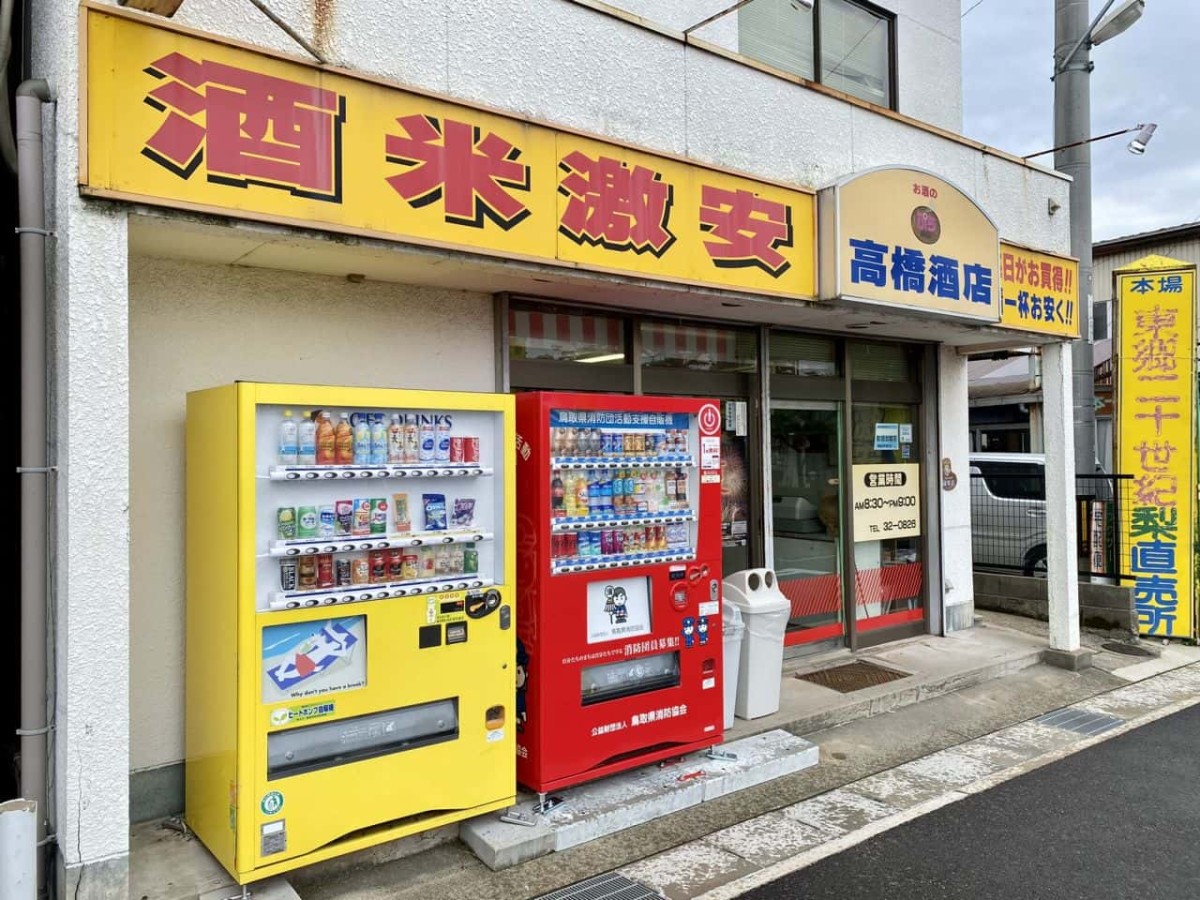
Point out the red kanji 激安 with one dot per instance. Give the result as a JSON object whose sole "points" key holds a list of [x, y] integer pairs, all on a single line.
{"points": [[246, 127], [750, 229], [470, 172], [615, 206]]}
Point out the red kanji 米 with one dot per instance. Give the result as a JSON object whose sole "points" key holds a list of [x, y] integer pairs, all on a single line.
{"points": [[615, 206], [469, 171], [750, 229], [246, 128]]}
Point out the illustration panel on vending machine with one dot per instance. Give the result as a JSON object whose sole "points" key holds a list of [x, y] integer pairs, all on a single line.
{"points": [[619, 511]]}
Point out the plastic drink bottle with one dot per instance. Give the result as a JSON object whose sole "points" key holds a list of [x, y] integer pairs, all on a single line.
{"points": [[326, 441], [443, 440], [362, 439], [344, 442], [412, 439], [379, 441], [306, 442], [395, 443], [289, 450], [428, 440]]}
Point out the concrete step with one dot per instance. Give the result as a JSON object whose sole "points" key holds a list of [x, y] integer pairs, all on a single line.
{"points": [[613, 804]]}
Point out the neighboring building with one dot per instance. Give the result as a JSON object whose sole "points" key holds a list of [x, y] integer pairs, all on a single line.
{"points": [[1006, 395], [713, 269]]}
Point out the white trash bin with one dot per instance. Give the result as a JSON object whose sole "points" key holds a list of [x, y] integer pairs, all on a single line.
{"points": [[764, 609], [732, 629]]}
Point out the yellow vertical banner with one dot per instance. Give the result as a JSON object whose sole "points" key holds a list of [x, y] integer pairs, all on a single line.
{"points": [[1156, 413]]}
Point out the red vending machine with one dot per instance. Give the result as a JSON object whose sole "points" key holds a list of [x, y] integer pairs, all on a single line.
{"points": [[618, 574]]}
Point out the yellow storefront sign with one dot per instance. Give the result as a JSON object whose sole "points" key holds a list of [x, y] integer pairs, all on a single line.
{"points": [[904, 237], [176, 118], [1156, 428], [1040, 292]]}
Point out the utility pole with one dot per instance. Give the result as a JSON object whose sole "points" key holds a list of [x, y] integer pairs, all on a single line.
{"points": [[1072, 124]]}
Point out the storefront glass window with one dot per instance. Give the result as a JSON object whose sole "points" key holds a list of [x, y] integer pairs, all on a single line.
{"points": [[887, 526], [699, 347], [565, 337], [803, 354]]}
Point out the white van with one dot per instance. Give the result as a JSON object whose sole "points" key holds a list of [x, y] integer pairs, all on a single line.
{"points": [[1008, 511]]}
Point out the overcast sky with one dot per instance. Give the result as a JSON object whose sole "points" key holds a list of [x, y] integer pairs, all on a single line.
{"points": [[1151, 73]]}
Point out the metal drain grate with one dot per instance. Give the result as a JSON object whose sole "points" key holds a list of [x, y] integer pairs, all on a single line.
{"points": [[1127, 649], [1080, 721], [604, 887], [852, 676]]}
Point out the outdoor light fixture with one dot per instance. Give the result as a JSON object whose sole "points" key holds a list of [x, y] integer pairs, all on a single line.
{"points": [[602, 358], [1138, 145], [1128, 13]]}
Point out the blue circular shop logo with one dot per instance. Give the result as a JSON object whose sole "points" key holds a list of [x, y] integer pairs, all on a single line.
{"points": [[272, 803]]}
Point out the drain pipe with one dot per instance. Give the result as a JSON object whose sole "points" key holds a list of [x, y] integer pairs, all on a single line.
{"points": [[34, 470]]}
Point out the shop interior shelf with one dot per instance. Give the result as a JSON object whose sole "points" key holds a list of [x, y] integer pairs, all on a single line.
{"points": [[425, 470], [575, 523], [347, 544], [592, 564], [622, 462], [361, 592]]}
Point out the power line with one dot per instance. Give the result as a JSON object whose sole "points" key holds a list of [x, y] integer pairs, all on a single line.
{"points": [[866, 34], [973, 6]]}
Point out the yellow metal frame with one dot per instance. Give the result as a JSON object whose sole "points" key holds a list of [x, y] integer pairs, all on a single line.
{"points": [[356, 805]]}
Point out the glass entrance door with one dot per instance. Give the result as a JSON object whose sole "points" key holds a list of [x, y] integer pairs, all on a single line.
{"points": [[806, 479], [888, 524]]}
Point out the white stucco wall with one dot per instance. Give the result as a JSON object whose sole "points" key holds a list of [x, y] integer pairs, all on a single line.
{"points": [[253, 325], [957, 578], [89, 534]]}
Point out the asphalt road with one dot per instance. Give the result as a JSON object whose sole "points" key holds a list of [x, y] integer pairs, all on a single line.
{"points": [[1118, 821]]}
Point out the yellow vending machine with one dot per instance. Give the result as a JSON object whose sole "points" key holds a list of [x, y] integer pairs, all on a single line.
{"points": [[350, 633]]}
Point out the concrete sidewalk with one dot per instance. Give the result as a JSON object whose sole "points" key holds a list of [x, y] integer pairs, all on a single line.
{"points": [[957, 689]]}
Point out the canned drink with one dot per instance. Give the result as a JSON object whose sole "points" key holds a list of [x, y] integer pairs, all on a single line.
{"points": [[395, 564], [377, 561], [470, 449], [362, 517], [360, 570], [307, 522], [342, 573], [660, 537], [306, 577], [326, 522], [618, 540], [324, 570], [285, 523], [410, 566], [287, 573], [343, 511], [379, 516], [606, 542], [456, 449], [470, 560]]}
